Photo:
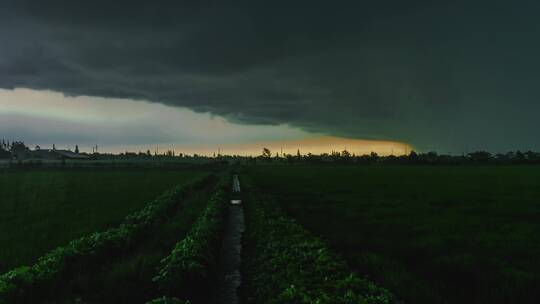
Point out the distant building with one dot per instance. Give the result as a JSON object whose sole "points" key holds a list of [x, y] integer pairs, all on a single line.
{"points": [[44, 154], [19, 151], [66, 154], [53, 154]]}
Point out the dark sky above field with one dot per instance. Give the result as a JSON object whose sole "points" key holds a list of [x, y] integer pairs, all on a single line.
{"points": [[451, 76]]}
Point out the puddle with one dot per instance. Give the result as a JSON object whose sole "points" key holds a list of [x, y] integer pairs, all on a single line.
{"points": [[231, 258], [236, 184]]}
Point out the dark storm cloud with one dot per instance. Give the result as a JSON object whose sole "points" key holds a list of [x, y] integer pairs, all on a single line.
{"points": [[455, 76]]}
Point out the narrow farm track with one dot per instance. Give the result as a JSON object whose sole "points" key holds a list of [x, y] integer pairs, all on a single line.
{"points": [[231, 249]]}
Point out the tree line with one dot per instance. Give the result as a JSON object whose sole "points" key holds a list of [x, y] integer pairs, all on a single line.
{"points": [[477, 157]]}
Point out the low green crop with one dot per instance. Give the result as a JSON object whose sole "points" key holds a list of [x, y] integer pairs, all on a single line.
{"points": [[284, 263], [188, 271], [27, 283]]}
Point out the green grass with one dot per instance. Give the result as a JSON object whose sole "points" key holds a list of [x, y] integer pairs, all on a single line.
{"points": [[43, 209], [430, 234]]}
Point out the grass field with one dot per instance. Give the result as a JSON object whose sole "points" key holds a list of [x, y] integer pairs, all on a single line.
{"points": [[430, 234], [43, 209]]}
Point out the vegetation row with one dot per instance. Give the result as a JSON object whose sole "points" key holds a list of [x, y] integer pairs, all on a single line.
{"points": [[188, 272], [167, 300], [284, 263], [28, 284]]}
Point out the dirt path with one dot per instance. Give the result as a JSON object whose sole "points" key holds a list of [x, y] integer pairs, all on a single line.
{"points": [[230, 256]]}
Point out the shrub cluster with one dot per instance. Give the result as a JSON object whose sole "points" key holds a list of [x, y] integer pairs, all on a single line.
{"points": [[286, 264], [188, 271], [28, 283]]}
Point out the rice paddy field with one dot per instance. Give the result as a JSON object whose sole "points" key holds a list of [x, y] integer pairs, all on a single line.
{"points": [[429, 234]]}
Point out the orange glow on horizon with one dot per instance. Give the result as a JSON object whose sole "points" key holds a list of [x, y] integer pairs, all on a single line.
{"points": [[313, 145]]}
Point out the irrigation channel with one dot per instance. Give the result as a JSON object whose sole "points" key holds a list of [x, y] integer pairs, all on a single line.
{"points": [[231, 249]]}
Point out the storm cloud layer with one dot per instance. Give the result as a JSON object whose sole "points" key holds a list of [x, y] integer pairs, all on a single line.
{"points": [[451, 76]]}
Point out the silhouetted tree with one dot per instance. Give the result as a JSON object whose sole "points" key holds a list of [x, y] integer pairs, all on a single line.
{"points": [[519, 156], [373, 157], [266, 153], [4, 153], [480, 156]]}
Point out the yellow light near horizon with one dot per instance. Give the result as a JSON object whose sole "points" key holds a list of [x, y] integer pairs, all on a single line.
{"points": [[119, 125], [313, 145]]}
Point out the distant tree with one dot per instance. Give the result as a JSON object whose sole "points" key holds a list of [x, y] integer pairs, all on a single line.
{"points": [[345, 153], [4, 153], [519, 156], [266, 153], [431, 157], [480, 156], [510, 155], [76, 149], [532, 156]]}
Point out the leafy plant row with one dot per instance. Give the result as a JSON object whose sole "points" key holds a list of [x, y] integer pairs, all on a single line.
{"points": [[167, 300], [284, 263], [27, 284], [188, 272]]}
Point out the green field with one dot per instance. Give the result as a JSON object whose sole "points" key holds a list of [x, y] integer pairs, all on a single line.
{"points": [[126, 277], [422, 234], [430, 234], [43, 209]]}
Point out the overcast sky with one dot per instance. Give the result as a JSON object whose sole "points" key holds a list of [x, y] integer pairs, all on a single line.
{"points": [[450, 76]]}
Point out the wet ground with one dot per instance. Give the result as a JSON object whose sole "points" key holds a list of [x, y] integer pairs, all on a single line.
{"points": [[230, 255]]}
